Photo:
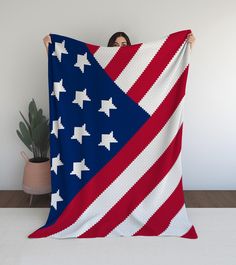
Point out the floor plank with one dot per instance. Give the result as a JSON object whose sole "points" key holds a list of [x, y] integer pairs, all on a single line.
{"points": [[193, 199]]}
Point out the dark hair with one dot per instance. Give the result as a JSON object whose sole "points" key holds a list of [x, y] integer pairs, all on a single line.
{"points": [[115, 36]]}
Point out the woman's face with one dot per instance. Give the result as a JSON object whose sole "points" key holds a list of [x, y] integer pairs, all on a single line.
{"points": [[120, 41]]}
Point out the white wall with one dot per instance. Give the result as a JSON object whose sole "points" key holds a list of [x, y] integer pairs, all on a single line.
{"points": [[209, 139]]}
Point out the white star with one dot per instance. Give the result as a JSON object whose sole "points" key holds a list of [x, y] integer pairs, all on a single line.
{"points": [[59, 49], [107, 139], [57, 88], [82, 61], [78, 167], [106, 106], [80, 97], [56, 125], [55, 163], [79, 132], [55, 198]]}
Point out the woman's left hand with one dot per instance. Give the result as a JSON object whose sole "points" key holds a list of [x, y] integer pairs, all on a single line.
{"points": [[191, 39]]}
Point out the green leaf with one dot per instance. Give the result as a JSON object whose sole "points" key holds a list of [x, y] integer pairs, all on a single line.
{"points": [[25, 133], [23, 140], [40, 133], [27, 123], [40, 112], [32, 110]]}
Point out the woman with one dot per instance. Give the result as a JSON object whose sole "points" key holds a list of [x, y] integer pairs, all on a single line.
{"points": [[120, 39]]}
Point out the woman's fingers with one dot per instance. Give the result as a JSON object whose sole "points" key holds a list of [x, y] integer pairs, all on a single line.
{"points": [[191, 37], [47, 39]]}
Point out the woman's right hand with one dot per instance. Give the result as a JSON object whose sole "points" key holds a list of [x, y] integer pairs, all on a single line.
{"points": [[47, 40]]}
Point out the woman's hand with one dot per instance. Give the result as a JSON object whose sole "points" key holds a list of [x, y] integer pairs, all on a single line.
{"points": [[47, 40], [191, 39]]}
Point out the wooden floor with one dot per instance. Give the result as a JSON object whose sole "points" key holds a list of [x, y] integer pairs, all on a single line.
{"points": [[193, 199]]}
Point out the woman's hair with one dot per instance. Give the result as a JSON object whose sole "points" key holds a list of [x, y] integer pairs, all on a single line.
{"points": [[115, 36]]}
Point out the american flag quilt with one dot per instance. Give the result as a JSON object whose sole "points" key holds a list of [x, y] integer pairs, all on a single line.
{"points": [[116, 123]]}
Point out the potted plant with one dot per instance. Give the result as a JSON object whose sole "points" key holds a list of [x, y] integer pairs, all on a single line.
{"points": [[34, 133]]}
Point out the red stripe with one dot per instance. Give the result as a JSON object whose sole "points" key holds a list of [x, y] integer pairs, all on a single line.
{"points": [[120, 60], [160, 220], [191, 233], [92, 48], [139, 191], [157, 65], [114, 167]]}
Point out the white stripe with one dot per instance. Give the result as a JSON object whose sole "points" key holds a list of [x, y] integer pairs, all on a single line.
{"points": [[151, 203], [138, 63], [162, 86], [179, 225], [104, 55], [126, 179]]}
